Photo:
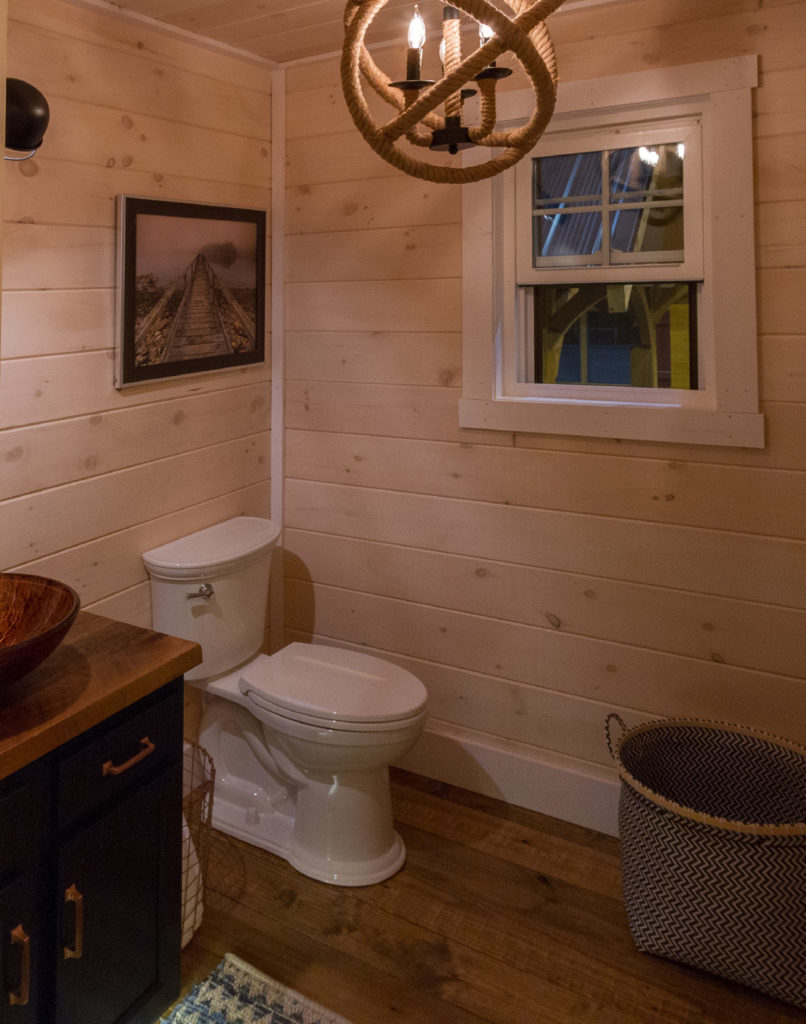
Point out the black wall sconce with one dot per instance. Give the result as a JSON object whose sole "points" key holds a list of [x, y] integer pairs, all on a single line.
{"points": [[27, 116]]}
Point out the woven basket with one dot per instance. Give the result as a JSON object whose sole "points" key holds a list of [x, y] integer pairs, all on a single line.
{"points": [[712, 820]]}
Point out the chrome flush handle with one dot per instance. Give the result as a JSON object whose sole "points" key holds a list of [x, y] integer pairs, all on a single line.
{"points": [[205, 590]]}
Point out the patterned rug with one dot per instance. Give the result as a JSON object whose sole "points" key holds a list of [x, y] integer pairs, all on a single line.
{"points": [[237, 993]]}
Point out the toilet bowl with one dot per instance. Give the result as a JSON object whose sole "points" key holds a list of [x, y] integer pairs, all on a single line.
{"points": [[302, 739]]}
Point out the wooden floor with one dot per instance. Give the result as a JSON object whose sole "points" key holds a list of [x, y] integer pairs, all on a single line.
{"points": [[499, 915]]}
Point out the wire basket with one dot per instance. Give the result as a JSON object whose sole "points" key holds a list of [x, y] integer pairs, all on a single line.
{"points": [[712, 821], [198, 777]]}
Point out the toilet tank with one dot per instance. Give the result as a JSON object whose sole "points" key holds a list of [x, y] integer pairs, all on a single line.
{"points": [[212, 587]]}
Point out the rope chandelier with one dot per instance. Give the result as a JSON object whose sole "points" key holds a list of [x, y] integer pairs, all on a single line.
{"points": [[416, 99]]}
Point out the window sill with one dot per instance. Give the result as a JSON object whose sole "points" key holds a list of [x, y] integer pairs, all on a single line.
{"points": [[627, 421]]}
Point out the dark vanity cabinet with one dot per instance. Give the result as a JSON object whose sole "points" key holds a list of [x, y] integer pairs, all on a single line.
{"points": [[90, 872]]}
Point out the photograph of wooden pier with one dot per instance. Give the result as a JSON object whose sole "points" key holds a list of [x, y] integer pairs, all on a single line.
{"points": [[192, 283]]}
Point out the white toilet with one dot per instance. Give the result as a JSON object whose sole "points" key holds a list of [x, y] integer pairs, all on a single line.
{"points": [[301, 740]]}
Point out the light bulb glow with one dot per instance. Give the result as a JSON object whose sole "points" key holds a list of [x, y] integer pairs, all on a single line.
{"points": [[485, 34], [649, 156], [681, 150], [416, 30]]}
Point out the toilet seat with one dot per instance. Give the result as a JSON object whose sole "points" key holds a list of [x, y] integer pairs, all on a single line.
{"points": [[333, 688]]}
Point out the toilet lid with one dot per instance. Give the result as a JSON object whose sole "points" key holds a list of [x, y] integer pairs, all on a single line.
{"points": [[222, 548], [334, 685]]}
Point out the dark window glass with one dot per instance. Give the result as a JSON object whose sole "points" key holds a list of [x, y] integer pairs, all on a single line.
{"points": [[635, 335]]}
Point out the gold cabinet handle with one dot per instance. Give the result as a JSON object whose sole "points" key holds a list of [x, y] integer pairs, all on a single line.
{"points": [[119, 769], [72, 895], [19, 938]]}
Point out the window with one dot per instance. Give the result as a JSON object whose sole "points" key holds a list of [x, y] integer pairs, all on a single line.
{"points": [[609, 277]]}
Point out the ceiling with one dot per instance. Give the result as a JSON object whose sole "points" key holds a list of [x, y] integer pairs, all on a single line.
{"points": [[280, 31]]}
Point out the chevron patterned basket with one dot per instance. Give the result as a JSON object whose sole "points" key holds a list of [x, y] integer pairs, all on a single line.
{"points": [[712, 821]]}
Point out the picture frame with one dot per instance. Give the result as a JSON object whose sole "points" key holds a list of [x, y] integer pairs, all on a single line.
{"points": [[191, 289]]}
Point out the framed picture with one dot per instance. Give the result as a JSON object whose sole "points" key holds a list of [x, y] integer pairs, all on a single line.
{"points": [[191, 292]]}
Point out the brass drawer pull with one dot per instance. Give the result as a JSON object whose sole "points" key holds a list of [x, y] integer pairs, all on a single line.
{"points": [[18, 937], [72, 895], [119, 769]]}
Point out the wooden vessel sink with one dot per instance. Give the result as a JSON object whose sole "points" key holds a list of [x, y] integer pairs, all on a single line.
{"points": [[35, 615]]}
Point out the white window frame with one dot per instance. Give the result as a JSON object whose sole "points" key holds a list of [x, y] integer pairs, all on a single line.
{"points": [[724, 409]]}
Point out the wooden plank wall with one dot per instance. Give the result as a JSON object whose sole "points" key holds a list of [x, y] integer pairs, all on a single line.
{"points": [[535, 582], [91, 477]]}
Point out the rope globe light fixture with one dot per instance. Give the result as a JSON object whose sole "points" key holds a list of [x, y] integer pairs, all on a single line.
{"points": [[522, 32]]}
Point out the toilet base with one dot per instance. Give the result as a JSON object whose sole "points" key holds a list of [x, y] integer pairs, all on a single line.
{"points": [[334, 828], [273, 830]]}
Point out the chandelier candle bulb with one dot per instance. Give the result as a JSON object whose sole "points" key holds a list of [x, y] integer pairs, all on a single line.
{"points": [[414, 53]]}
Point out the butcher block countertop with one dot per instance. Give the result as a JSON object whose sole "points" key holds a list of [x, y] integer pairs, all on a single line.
{"points": [[101, 667]]}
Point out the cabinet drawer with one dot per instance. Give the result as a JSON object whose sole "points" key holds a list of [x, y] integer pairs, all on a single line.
{"points": [[129, 749], [25, 812]]}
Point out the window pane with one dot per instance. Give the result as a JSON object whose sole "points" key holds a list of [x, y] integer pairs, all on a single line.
{"points": [[626, 335], [646, 199], [571, 183], [567, 234], [571, 179], [647, 173], [651, 230]]}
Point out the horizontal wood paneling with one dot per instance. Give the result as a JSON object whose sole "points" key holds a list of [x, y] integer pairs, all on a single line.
{"points": [[90, 186], [73, 513], [93, 476], [781, 234], [777, 104], [139, 85], [740, 566], [686, 494], [50, 388], [112, 137], [783, 368], [78, 448], [40, 256], [375, 203], [36, 323], [397, 411], [648, 35], [389, 357], [403, 411], [94, 25], [413, 305], [349, 159], [404, 253], [763, 637]]}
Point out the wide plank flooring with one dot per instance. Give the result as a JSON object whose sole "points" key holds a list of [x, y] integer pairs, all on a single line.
{"points": [[500, 915]]}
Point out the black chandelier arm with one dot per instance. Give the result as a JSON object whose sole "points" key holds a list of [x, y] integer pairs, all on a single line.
{"points": [[437, 93], [418, 135]]}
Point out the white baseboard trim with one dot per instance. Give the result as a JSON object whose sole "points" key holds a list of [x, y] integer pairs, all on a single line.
{"points": [[540, 780]]}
